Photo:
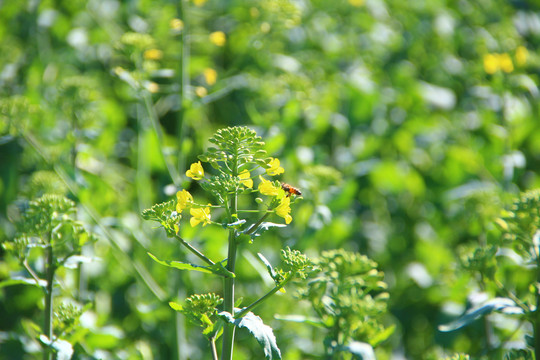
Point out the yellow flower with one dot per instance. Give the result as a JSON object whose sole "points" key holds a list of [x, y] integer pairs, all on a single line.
{"points": [[356, 3], [521, 55], [210, 76], [201, 91], [199, 3], [153, 54], [176, 24], [196, 171], [505, 63], [267, 188], [199, 215], [491, 63], [245, 178], [184, 198], [284, 209], [218, 38], [274, 169]]}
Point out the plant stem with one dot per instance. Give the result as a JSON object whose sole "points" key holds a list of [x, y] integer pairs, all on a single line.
{"points": [[48, 318], [536, 321], [263, 298], [195, 251], [228, 291], [214, 350], [228, 301]]}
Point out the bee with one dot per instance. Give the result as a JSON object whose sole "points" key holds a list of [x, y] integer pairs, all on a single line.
{"points": [[289, 189]]}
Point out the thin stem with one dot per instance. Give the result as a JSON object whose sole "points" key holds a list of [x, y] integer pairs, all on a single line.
{"points": [[254, 226], [265, 297], [48, 318], [152, 115], [32, 273], [214, 350], [511, 295], [195, 251]]}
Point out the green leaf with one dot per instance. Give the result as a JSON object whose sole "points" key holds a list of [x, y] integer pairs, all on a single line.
{"points": [[63, 349], [22, 281], [261, 228], [360, 350], [217, 269], [503, 305], [176, 306], [268, 265], [301, 319], [262, 333]]}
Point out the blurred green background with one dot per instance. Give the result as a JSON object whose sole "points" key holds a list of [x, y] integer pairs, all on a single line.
{"points": [[407, 125]]}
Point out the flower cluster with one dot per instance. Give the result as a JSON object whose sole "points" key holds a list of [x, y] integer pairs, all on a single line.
{"points": [[495, 62], [280, 203]]}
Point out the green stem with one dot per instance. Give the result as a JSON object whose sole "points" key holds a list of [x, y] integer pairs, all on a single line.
{"points": [[228, 291], [195, 251], [265, 297], [48, 318], [536, 321], [256, 225]]}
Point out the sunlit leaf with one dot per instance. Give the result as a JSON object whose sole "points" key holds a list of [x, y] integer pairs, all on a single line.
{"points": [[262, 333]]}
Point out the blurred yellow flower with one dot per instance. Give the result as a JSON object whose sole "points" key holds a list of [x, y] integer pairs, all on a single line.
{"points": [[284, 209], [210, 76], [199, 215], [218, 38], [267, 188], [183, 198], [521, 55], [196, 171], [153, 54], [176, 24], [265, 27], [274, 168], [152, 87], [245, 179], [199, 2], [201, 91], [356, 3], [491, 64], [505, 63], [496, 62]]}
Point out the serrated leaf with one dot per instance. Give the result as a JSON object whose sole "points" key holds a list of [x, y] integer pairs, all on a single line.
{"points": [[268, 265], [217, 269], [22, 281], [503, 305], [262, 333], [360, 350]]}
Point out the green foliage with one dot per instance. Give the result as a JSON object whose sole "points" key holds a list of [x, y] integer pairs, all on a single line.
{"points": [[458, 357], [165, 214], [349, 296], [50, 221], [519, 354], [236, 147], [202, 311]]}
